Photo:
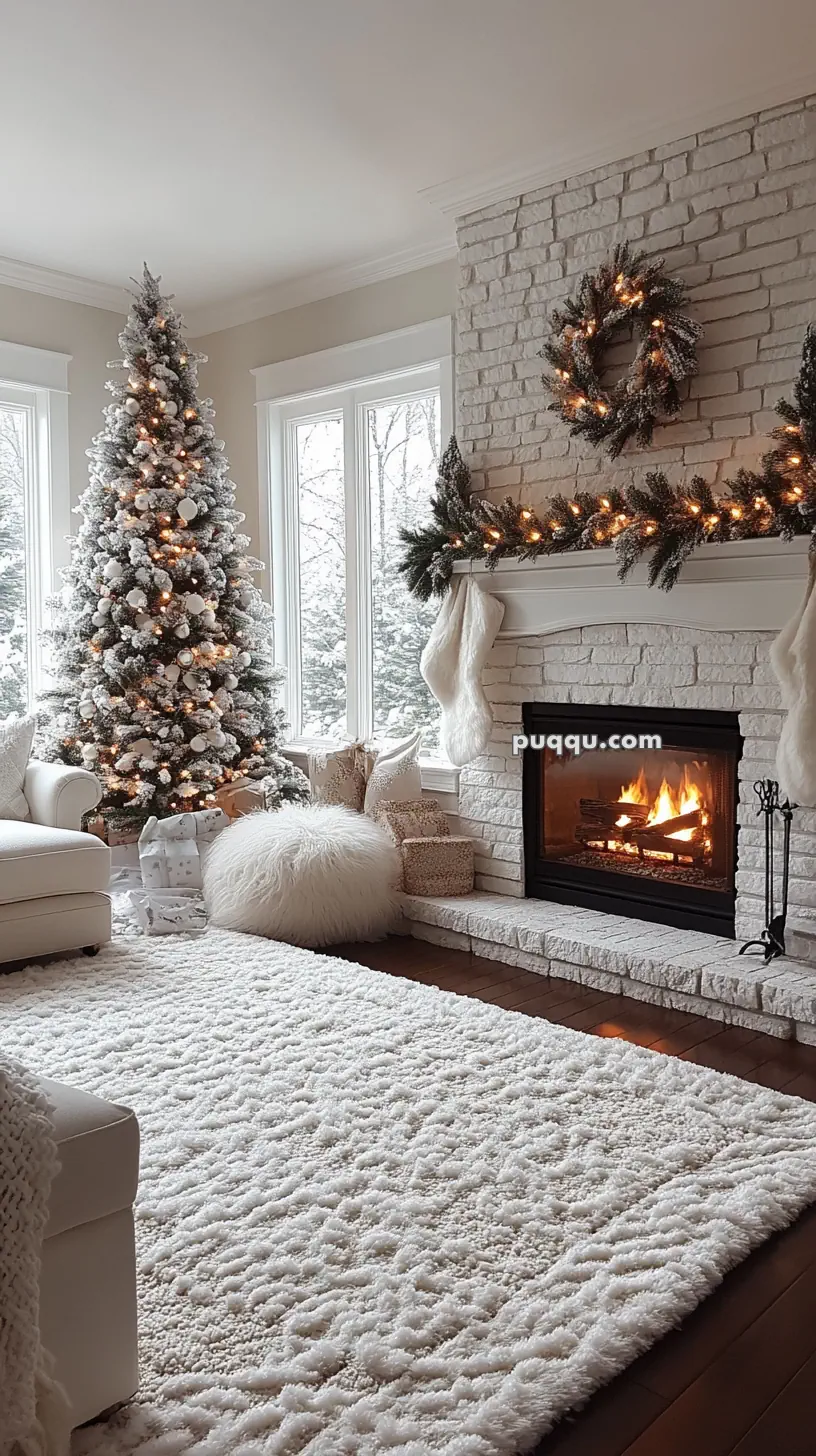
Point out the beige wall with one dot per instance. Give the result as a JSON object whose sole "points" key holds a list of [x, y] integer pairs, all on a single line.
{"points": [[396, 303], [90, 336]]}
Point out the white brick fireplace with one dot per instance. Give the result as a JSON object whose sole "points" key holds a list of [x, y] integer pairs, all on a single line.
{"points": [[733, 212], [572, 633]]}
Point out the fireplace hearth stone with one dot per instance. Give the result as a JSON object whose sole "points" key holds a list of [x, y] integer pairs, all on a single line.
{"points": [[687, 970]]}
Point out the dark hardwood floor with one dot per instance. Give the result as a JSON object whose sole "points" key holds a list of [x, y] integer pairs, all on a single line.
{"points": [[738, 1378]]}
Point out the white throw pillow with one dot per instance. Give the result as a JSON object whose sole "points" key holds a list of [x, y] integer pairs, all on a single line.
{"points": [[16, 735], [395, 774]]}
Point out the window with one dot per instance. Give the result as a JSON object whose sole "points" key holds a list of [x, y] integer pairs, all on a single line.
{"points": [[344, 468], [33, 509]]}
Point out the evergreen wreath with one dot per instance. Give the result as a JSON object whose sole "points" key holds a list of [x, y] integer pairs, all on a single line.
{"points": [[663, 521], [629, 292]]}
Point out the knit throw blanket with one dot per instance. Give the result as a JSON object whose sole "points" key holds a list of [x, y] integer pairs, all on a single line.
{"points": [[33, 1410]]}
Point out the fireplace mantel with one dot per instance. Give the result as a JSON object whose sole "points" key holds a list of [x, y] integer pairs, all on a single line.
{"points": [[736, 586]]}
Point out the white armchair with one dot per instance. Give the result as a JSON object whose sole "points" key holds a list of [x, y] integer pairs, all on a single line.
{"points": [[58, 795], [53, 878]]}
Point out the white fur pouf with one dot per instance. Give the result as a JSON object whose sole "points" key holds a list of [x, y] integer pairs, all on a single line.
{"points": [[314, 875]]}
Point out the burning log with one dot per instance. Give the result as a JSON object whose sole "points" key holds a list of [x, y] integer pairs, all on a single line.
{"points": [[603, 834], [661, 844], [608, 811], [691, 820]]}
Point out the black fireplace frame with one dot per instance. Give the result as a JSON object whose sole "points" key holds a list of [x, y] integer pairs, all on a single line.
{"points": [[684, 906]]}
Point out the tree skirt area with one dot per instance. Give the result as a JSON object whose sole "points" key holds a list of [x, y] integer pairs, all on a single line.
{"points": [[377, 1217]]}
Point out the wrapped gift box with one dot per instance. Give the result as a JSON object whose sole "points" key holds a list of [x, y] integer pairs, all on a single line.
{"points": [[440, 864], [170, 850], [413, 819]]}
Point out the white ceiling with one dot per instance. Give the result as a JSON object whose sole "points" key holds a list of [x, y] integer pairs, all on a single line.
{"points": [[267, 151]]}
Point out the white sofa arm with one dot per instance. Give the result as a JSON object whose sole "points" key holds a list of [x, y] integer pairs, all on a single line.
{"points": [[58, 795]]}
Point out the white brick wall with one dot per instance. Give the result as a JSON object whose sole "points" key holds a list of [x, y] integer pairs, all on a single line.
{"points": [[650, 666], [733, 211]]}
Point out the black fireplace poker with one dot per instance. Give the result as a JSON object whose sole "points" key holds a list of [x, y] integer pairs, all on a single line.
{"points": [[772, 939]]}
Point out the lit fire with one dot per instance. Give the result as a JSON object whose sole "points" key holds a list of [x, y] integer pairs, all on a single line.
{"points": [[667, 804]]}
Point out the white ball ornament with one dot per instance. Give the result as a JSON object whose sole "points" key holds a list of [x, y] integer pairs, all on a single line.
{"points": [[104, 605], [172, 672], [194, 603], [143, 621], [208, 617], [141, 500], [206, 648], [243, 659], [99, 619], [86, 710], [187, 508], [216, 738], [198, 744], [171, 408], [190, 680], [113, 571], [131, 406], [183, 629], [136, 598], [230, 681]]}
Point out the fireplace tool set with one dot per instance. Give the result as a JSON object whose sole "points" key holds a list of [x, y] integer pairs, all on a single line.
{"points": [[772, 939]]}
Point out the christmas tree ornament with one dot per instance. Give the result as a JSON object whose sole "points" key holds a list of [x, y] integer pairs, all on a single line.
{"points": [[112, 677], [631, 292], [664, 523]]}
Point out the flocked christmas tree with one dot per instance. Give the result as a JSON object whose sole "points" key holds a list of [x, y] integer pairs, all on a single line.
{"points": [[164, 682]]}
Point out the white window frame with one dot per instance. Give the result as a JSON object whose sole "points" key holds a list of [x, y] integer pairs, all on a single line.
{"points": [[348, 380], [37, 380]]}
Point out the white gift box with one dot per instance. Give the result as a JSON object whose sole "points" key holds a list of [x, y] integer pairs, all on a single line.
{"points": [[171, 850], [168, 912]]}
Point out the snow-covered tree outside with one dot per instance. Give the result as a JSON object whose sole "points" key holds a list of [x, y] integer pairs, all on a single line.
{"points": [[13, 631], [402, 447], [164, 681]]}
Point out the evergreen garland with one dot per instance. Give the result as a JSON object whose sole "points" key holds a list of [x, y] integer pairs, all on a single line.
{"points": [[629, 292], [664, 522]]}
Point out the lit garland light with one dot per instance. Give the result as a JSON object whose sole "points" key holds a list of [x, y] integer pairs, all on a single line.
{"points": [[666, 522]]}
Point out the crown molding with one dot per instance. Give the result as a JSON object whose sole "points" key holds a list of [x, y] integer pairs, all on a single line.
{"points": [[34, 279], [470, 191], [212, 318]]}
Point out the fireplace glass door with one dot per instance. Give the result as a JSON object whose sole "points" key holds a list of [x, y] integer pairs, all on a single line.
{"points": [[614, 821]]}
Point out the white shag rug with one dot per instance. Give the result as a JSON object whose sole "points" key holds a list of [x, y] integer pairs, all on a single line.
{"points": [[376, 1217]]}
